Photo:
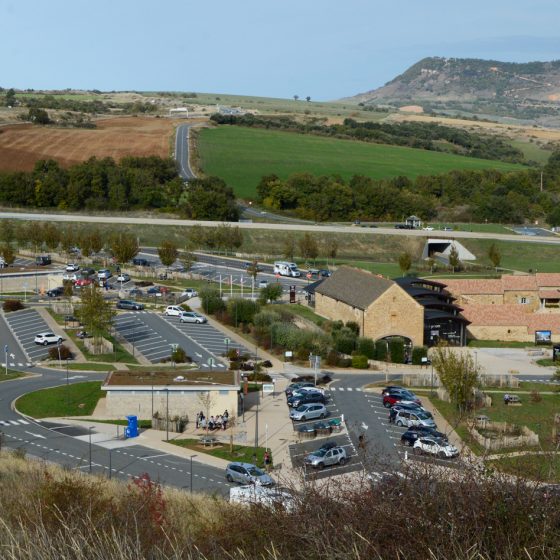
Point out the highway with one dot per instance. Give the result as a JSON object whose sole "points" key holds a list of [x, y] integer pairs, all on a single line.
{"points": [[314, 228]]}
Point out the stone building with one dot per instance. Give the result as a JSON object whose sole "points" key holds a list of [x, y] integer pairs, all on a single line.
{"points": [[419, 311], [172, 392]]}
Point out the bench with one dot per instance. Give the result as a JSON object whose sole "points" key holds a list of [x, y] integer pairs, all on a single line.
{"points": [[208, 441]]}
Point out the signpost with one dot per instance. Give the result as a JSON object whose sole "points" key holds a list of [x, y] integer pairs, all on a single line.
{"points": [[6, 354], [226, 342]]}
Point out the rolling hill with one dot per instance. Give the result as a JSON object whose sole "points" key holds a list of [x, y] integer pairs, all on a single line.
{"points": [[529, 91]]}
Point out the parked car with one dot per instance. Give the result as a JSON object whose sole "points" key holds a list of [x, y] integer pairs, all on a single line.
{"points": [[82, 334], [140, 262], [81, 282], [87, 271], [326, 457], [192, 317], [136, 292], [43, 260], [415, 432], [104, 274], [324, 273], [434, 446], [189, 293], [410, 407], [173, 310], [128, 304], [123, 277], [56, 292], [307, 398], [393, 398], [70, 276], [262, 284], [315, 427], [308, 412], [47, 338], [156, 291], [293, 387], [391, 388], [246, 473], [71, 267], [409, 418]]}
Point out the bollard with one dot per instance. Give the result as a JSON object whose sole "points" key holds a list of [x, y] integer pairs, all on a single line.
{"points": [[406, 455]]}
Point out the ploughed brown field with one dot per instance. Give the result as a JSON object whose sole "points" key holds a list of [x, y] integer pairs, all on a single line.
{"points": [[22, 145]]}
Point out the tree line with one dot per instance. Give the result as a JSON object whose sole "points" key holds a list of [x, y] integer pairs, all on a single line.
{"points": [[133, 183], [461, 195], [422, 135]]}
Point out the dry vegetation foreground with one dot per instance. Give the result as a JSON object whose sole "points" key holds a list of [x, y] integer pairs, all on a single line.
{"points": [[50, 513], [21, 145]]}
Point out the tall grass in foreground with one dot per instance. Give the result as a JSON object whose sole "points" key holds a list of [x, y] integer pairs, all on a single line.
{"points": [[49, 513]]}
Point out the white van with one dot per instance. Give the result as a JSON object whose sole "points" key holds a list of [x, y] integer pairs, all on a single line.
{"points": [[286, 269]]}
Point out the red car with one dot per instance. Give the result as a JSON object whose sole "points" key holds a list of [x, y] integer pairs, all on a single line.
{"points": [[400, 396], [81, 282]]}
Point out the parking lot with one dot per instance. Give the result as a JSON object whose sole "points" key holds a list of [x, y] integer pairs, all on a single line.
{"points": [[207, 337], [25, 325], [152, 335]]}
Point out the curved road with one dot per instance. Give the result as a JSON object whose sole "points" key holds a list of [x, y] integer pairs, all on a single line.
{"points": [[52, 217], [182, 151]]}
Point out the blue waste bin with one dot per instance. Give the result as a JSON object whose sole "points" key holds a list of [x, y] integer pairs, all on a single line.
{"points": [[132, 428]]}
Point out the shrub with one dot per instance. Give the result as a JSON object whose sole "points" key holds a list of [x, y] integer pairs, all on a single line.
{"points": [[12, 305], [360, 361], [265, 318], [536, 397], [266, 364], [211, 301], [381, 350], [242, 310], [344, 362], [396, 350], [419, 352], [65, 352], [366, 347], [333, 358], [354, 327], [259, 377], [179, 356]]}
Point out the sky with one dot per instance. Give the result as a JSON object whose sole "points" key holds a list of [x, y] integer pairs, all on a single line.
{"points": [[327, 49]]}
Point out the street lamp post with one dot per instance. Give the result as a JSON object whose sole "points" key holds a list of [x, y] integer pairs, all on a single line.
{"points": [[152, 376], [67, 390], [167, 414], [191, 472], [90, 428], [257, 426], [110, 463], [6, 356]]}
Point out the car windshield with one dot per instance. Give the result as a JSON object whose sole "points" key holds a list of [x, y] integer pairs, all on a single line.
{"points": [[320, 452], [254, 471], [422, 416], [302, 408]]}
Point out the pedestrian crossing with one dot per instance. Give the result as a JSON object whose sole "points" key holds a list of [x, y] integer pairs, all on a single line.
{"points": [[359, 389], [13, 422], [17, 364]]}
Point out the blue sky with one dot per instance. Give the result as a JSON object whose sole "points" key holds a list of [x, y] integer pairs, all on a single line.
{"points": [[327, 49]]}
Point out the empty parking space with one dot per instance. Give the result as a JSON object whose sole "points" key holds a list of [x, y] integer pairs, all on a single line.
{"points": [[207, 337], [143, 338], [25, 325]]}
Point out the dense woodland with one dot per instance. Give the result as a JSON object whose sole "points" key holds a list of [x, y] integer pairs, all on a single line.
{"points": [[132, 184], [476, 196], [425, 136]]}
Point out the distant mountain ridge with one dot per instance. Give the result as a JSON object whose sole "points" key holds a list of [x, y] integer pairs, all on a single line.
{"points": [[521, 90]]}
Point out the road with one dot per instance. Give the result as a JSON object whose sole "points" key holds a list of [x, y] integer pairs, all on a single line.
{"points": [[52, 217], [182, 151]]}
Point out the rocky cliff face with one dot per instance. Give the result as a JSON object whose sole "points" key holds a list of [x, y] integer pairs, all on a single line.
{"points": [[527, 91]]}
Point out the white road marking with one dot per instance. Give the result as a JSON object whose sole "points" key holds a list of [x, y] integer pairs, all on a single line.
{"points": [[35, 435]]}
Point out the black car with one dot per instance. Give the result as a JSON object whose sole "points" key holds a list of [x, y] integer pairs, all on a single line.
{"points": [[328, 445], [391, 389], [324, 273], [308, 398], [415, 432], [315, 427], [127, 304], [56, 292], [140, 262], [86, 272], [295, 386]]}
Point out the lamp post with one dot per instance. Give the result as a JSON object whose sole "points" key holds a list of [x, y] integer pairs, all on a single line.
{"points": [[152, 376], [90, 428], [167, 414], [191, 472], [67, 390], [58, 345], [432, 381], [257, 427], [110, 463], [6, 357]]}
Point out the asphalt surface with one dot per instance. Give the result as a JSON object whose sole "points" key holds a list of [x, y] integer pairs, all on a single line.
{"points": [[182, 151]]}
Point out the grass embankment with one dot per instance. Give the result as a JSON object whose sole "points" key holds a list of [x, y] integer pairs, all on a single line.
{"points": [[302, 311], [74, 399], [10, 375], [497, 344], [239, 452], [241, 156], [143, 424], [49, 512]]}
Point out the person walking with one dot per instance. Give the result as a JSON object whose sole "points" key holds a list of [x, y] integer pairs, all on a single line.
{"points": [[267, 461]]}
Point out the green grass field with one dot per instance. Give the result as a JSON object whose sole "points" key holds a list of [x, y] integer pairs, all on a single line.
{"points": [[75, 399], [241, 156]]}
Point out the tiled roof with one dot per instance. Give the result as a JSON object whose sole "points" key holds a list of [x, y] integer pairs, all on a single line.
{"points": [[354, 287], [474, 286], [549, 294], [511, 315], [514, 282], [548, 279]]}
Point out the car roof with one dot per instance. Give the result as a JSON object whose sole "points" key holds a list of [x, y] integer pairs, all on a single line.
{"points": [[241, 464]]}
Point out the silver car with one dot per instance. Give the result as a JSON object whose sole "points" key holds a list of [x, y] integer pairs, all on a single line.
{"points": [[246, 473], [325, 457], [410, 418], [191, 317], [308, 412]]}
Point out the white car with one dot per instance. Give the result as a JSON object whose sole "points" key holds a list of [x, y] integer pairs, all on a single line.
{"points": [[174, 311], [72, 276], [263, 283], [428, 228], [436, 447], [71, 267], [123, 278], [104, 274], [189, 293], [47, 338]]}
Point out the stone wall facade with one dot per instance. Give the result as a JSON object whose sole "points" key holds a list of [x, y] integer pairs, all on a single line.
{"points": [[394, 313], [513, 333], [526, 297], [138, 401], [527, 437]]}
